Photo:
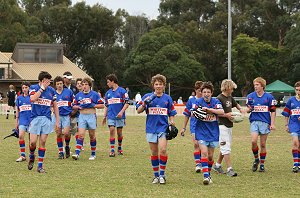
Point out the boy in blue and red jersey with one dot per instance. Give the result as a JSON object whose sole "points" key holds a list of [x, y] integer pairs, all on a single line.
{"points": [[64, 99], [23, 118], [116, 101], [159, 107], [291, 113], [42, 97], [86, 102], [207, 130], [187, 112], [262, 120]]}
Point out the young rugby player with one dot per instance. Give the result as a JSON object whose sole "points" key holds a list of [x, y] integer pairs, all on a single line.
{"points": [[42, 97], [159, 107], [291, 113], [86, 102], [187, 113], [225, 127], [116, 101], [262, 107], [23, 118], [64, 99], [207, 129]]}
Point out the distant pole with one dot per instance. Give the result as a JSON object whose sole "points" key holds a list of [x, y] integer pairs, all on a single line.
{"points": [[229, 38], [169, 89]]}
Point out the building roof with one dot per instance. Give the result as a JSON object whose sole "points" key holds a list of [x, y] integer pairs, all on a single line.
{"points": [[279, 86], [3, 59], [30, 71]]}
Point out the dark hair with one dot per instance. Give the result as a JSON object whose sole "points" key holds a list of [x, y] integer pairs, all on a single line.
{"points": [[26, 83], [57, 79], [67, 73], [87, 80], [207, 85], [44, 74], [78, 79], [112, 77]]}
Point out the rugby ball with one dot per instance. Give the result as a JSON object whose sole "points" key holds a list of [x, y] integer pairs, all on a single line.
{"points": [[237, 117]]}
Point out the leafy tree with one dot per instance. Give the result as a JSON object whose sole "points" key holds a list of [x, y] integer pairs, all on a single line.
{"points": [[292, 41], [252, 58], [161, 51]]}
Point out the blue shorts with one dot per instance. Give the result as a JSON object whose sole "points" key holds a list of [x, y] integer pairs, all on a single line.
{"points": [[154, 137], [296, 135], [262, 128], [119, 123], [23, 128], [64, 121], [213, 144], [87, 121], [40, 125]]}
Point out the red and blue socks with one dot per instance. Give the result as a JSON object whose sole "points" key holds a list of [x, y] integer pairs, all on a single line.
{"points": [[41, 154], [255, 153], [79, 143], [262, 159], [162, 164], [93, 144], [205, 169], [120, 139], [112, 142], [295, 157], [67, 140], [60, 145], [197, 157], [22, 148], [155, 165], [31, 153]]}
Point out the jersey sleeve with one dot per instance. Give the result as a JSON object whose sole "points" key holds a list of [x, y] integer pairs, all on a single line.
{"points": [[125, 96], [188, 106], [33, 89], [218, 104], [272, 103], [17, 102], [287, 109], [171, 109], [139, 103]]}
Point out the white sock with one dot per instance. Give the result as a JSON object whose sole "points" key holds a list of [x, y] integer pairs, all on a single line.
{"points": [[218, 165], [229, 168]]}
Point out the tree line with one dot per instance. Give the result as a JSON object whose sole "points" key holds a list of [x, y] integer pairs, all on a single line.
{"points": [[186, 42]]}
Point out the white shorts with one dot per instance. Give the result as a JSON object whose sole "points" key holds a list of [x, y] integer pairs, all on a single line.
{"points": [[225, 139]]}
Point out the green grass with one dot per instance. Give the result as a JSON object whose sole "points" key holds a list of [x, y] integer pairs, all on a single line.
{"points": [[131, 175]]}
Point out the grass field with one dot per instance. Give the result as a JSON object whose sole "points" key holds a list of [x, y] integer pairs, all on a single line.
{"points": [[131, 175]]}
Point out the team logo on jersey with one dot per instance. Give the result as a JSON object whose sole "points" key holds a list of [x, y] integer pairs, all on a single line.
{"points": [[86, 101], [157, 111], [25, 108], [295, 111], [114, 100], [260, 109], [210, 118], [43, 102]]}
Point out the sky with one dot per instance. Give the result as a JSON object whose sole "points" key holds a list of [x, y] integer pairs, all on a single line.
{"points": [[133, 7]]}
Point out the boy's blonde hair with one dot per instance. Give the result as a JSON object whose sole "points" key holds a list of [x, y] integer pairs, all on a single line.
{"points": [[261, 81], [227, 84]]}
